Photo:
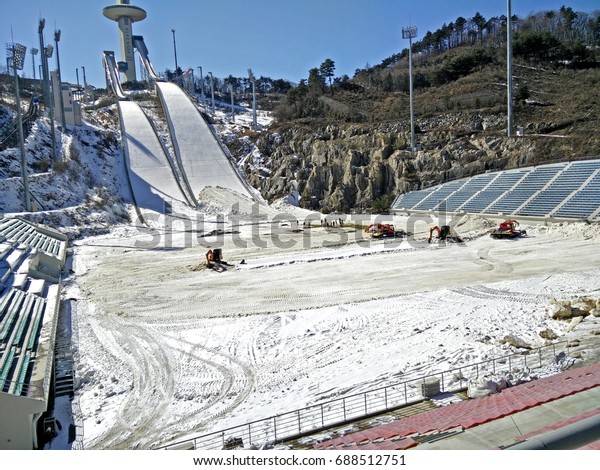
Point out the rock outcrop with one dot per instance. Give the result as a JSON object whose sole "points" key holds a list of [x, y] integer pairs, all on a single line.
{"points": [[349, 166]]}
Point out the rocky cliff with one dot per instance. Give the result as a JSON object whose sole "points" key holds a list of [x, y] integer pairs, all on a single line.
{"points": [[350, 166]]}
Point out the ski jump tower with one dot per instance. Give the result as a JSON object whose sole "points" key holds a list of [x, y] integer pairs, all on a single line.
{"points": [[126, 14]]}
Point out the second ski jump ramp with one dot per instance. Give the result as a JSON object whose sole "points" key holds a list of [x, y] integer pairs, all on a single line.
{"points": [[203, 160], [151, 176]]}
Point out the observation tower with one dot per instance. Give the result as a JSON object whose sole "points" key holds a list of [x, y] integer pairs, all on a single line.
{"points": [[125, 15]]}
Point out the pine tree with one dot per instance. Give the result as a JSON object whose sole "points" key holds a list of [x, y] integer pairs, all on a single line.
{"points": [[327, 70]]}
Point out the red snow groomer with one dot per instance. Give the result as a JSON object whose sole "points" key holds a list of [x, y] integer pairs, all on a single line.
{"points": [[508, 229]]}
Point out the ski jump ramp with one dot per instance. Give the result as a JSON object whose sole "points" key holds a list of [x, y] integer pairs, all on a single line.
{"points": [[112, 74], [200, 157], [151, 175], [199, 154], [140, 45], [155, 178]]}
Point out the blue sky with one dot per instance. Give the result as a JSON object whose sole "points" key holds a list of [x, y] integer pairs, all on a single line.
{"points": [[276, 38]]}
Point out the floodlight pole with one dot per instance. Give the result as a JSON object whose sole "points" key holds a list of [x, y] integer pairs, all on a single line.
{"points": [[175, 51], [409, 33], [47, 93], [509, 84], [193, 82], [253, 81], [232, 103], [60, 91], [84, 83], [212, 92], [16, 65], [201, 86], [34, 52]]}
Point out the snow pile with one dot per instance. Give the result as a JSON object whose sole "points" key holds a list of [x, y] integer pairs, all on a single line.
{"points": [[493, 383]]}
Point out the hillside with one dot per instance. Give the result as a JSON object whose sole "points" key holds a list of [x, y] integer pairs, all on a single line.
{"points": [[346, 146], [337, 164]]}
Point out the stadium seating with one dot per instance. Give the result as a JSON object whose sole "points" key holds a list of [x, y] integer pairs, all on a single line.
{"points": [[28, 300], [569, 190]]}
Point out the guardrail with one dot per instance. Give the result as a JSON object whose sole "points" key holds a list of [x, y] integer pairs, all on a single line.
{"points": [[311, 419]]}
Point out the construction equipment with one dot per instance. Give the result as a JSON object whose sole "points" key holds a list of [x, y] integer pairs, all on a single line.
{"points": [[384, 231], [214, 260], [508, 229], [443, 233]]}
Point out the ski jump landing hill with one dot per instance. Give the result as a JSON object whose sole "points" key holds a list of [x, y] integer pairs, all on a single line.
{"points": [[156, 179]]}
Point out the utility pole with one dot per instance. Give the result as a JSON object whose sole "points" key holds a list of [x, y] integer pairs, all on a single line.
{"points": [[509, 85], [409, 33]]}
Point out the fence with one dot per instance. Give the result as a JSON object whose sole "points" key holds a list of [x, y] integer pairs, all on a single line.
{"points": [[314, 418]]}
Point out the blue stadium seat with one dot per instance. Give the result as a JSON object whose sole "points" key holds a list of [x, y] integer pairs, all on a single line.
{"points": [[569, 189]]}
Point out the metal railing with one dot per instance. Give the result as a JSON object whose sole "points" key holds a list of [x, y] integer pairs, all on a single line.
{"points": [[311, 419]]}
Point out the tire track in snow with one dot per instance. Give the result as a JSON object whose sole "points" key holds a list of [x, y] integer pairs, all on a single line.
{"points": [[152, 385], [484, 292]]}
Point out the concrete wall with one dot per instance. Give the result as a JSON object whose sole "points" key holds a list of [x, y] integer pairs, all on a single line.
{"points": [[18, 423]]}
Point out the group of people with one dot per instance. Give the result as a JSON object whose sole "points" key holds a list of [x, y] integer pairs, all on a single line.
{"points": [[334, 223]]}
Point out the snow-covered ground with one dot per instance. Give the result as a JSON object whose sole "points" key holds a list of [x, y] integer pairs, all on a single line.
{"points": [[166, 349]]}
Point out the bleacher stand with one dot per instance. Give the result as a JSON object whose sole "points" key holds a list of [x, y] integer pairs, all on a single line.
{"points": [[563, 191], [31, 261]]}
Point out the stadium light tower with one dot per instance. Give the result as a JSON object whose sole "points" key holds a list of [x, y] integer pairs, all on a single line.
{"points": [[509, 85], [84, 83], [175, 52], [253, 81], [125, 15], [212, 92], [15, 54], [232, 103], [45, 54], [201, 85], [409, 33], [34, 52], [60, 90]]}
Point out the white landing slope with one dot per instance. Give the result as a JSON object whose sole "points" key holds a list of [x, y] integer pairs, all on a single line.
{"points": [[203, 161], [152, 180]]}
